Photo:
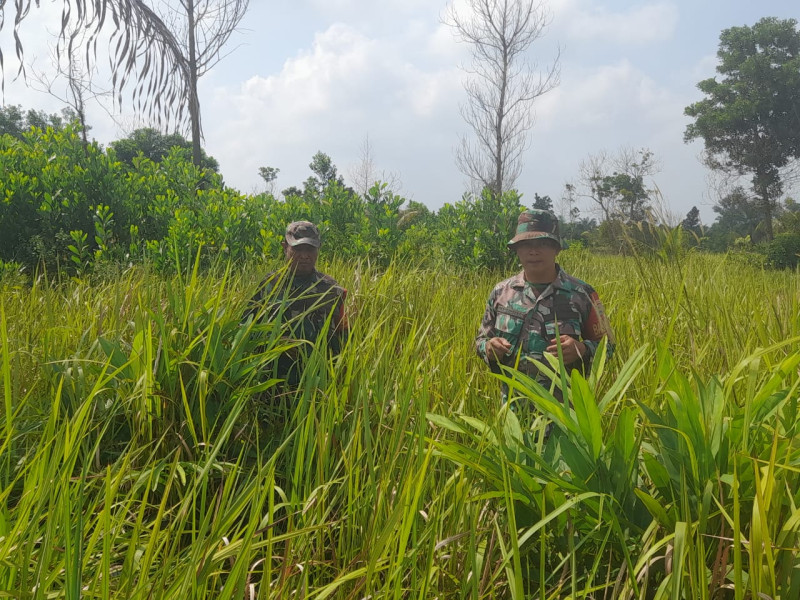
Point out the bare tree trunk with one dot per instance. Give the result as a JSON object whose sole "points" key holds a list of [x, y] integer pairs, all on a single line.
{"points": [[78, 102], [501, 109], [766, 207], [501, 88], [194, 100]]}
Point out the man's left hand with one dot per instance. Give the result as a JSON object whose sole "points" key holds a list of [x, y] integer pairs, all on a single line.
{"points": [[571, 349]]}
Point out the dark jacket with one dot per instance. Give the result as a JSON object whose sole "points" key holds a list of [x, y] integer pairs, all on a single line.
{"points": [[301, 306]]}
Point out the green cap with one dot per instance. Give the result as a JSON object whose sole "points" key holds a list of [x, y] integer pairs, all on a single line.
{"points": [[534, 224]]}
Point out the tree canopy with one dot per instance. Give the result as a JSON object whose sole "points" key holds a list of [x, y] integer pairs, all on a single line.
{"points": [[750, 117], [15, 121], [155, 145]]}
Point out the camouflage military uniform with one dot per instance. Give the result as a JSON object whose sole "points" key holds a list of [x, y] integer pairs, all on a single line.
{"points": [[527, 318], [302, 305]]}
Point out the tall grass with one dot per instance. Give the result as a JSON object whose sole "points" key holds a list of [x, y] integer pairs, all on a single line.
{"points": [[147, 453]]}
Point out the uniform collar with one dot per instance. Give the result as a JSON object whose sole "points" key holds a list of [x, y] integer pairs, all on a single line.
{"points": [[312, 277], [518, 281]]}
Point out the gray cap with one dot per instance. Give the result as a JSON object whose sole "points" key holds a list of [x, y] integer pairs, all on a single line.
{"points": [[303, 232]]}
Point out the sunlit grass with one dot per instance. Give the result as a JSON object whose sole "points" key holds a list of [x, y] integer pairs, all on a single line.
{"points": [[145, 453]]}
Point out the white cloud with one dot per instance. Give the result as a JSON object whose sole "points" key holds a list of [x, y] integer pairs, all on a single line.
{"points": [[349, 9], [327, 98], [605, 108], [704, 68], [334, 71], [642, 24], [602, 96]]}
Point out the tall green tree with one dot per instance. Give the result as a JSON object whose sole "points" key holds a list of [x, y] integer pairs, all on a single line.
{"points": [[269, 175], [325, 174], [153, 144], [542, 202], [15, 121], [617, 184], [750, 116], [789, 219], [738, 216], [692, 221], [629, 194]]}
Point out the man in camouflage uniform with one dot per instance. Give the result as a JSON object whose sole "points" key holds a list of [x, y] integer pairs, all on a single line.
{"points": [[301, 299], [525, 311]]}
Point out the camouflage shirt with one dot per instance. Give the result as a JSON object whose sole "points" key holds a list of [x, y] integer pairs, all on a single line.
{"points": [[528, 321], [303, 305]]}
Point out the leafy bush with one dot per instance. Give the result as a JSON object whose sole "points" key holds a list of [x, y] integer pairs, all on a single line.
{"points": [[474, 231], [783, 252], [66, 205], [52, 185]]}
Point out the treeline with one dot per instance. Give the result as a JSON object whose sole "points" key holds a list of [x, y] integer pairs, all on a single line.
{"points": [[68, 204]]}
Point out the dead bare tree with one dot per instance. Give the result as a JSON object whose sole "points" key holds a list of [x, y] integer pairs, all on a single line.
{"points": [[164, 45], [364, 174], [70, 82], [502, 86], [203, 27], [591, 172], [612, 181]]}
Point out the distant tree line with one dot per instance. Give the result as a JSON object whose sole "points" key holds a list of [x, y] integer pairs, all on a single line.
{"points": [[75, 207]]}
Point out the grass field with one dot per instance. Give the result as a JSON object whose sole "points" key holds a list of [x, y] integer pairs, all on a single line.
{"points": [[144, 453]]}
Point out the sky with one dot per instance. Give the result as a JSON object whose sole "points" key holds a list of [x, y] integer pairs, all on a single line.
{"points": [[325, 75]]}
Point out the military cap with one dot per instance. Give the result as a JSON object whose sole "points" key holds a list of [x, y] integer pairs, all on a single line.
{"points": [[534, 224], [302, 232]]}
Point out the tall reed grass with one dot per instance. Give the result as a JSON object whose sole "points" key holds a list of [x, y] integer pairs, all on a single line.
{"points": [[146, 452]]}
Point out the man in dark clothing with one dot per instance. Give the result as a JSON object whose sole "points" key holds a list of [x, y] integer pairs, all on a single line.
{"points": [[301, 300]]}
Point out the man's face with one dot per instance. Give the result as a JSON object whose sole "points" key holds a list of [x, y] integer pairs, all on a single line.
{"points": [[302, 258], [537, 256]]}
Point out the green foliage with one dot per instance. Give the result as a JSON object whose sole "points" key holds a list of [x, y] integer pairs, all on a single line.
{"points": [[16, 122], [789, 217], [738, 216], [79, 250], [693, 228], [325, 175], [145, 452], [578, 230], [161, 212], [744, 252], [783, 252], [50, 187], [474, 232], [168, 212], [151, 143], [748, 119], [628, 194], [542, 202], [10, 270]]}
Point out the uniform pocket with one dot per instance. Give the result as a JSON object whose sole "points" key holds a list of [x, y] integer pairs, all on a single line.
{"points": [[570, 327], [508, 324], [567, 316]]}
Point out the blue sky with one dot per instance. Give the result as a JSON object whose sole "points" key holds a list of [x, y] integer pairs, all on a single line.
{"points": [[309, 75]]}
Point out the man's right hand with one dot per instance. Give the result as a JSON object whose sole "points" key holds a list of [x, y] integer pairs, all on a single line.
{"points": [[497, 348]]}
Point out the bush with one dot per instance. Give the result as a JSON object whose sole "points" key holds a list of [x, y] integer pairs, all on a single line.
{"points": [[474, 232], [51, 186], [783, 251]]}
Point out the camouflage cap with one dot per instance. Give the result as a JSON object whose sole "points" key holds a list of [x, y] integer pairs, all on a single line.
{"points": [[302, 232], [534, 224]]}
